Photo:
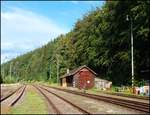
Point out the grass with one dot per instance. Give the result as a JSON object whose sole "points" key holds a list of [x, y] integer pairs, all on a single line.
{"points": [[53, 84], [32, 104], [50, 84], [112, 91]]}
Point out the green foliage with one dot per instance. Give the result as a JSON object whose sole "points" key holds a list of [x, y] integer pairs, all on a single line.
{"points": [[101, 40], [1, 79], [140, 83], [10, 79]]}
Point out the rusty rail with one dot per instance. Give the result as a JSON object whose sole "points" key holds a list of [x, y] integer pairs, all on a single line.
{"points": [[49, 101], [10, 94], [15, 101], [122, 102], [69, 102]]}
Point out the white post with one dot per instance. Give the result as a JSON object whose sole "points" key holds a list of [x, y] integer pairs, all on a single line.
{"points": [[132, 60]]}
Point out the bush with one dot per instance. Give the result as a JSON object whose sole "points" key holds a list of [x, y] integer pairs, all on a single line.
{"points": [[10, 79], [1, 79]]}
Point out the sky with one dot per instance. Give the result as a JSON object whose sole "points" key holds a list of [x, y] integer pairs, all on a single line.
{"points": [[27, 25]]}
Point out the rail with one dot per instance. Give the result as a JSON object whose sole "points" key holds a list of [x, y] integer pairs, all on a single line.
{"points": [[122, 102], [49, 101], [69, 102], [15, 101], [11, 94]]}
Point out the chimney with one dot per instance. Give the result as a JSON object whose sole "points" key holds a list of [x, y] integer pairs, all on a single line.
{"points": [[67, 71]]}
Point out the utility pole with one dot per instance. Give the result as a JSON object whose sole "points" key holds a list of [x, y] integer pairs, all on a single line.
{"points": [[17, 68], [57, 66], [4, 67], [50, 76], [50, 60], [132, 59], [10, 69], [132, 54], [50, 71], [57, 59], [3, 71]]}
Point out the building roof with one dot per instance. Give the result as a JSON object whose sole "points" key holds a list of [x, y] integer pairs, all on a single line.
{"points": [[99, 80], [74, 71]]}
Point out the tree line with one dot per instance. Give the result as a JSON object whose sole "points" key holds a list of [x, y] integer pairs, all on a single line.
{"points": [[100, 40]]}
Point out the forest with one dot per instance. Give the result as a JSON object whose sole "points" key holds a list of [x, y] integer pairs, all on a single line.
{"points": [[101, 40]]}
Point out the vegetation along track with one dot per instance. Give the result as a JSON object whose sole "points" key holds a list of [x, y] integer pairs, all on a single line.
{"points": [[72, 104], [22, 88], [122, 102], [48, 100]]}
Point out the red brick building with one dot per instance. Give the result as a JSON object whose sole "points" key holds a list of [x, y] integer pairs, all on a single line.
{"points": [[82, 77]]}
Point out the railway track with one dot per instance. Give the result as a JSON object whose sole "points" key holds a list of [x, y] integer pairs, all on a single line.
{"points": [[49, 101], [70, 103], [19, 95], [144, 107], [4, 98]]}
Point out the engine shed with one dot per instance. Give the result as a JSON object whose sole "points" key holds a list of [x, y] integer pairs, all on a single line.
{"points": [[82, 77]]}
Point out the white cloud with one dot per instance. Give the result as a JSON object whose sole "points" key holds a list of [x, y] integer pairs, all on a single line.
{"points": [[87, 2], [74, 2], [23, 30]]}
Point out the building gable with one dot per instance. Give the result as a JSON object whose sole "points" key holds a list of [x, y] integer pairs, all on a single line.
{"points": [[81, 68]]}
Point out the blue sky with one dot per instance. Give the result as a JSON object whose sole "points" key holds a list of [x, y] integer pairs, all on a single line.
{"points": [[26, 25]]}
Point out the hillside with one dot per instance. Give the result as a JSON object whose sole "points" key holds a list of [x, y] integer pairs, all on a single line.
{"points": [[100, 40]]}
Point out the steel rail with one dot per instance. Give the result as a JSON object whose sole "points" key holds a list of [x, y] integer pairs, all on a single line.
{"points": [[126, 103], [69, 102], [10, 94], [15, 101], [49, 101]]}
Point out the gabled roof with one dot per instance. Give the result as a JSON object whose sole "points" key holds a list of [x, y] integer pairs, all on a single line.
{"points": [[74, 71]]}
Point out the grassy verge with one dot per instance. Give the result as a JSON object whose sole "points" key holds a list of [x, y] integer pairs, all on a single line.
{"points": [[50, 84], [32, 104], [112, 92]]}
